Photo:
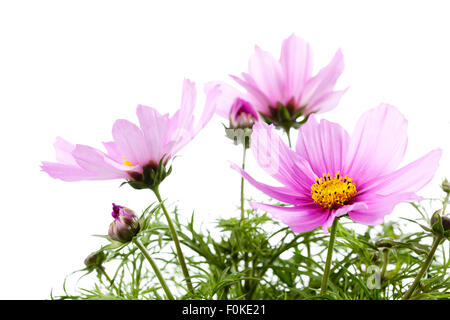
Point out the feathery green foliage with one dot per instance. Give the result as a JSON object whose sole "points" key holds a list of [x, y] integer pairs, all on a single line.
{"points": [[257, 258]]}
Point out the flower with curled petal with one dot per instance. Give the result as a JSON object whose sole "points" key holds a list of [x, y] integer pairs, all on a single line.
{"points": [[136, 154]]}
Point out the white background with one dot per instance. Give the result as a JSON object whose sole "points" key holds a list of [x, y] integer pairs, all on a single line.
{"points": [[71, 68]]}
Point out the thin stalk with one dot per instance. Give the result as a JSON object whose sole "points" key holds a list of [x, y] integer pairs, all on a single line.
{"points": [[385, 263], [155, 268], [102, 270], [288, 132], [176, 241], [444, 204], [326, 274], [246, 282], [424, 268], [308, 249], [242, 184]]}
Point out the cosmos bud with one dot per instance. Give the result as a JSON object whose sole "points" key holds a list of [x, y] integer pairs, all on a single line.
{"points": [[446, 222], [446, 186], [242, 115], [95, 259], [440, 224], [242, 118], [125, 225]]}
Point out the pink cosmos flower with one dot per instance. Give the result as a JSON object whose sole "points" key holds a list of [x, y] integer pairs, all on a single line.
{"points": [[331, 174], [288, 83], [134, 148]]}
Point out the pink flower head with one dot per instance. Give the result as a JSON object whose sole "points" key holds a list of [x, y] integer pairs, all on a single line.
{"points": [[284, 90], [134, 149], [331, 174], [242, 115], [234, 106]]}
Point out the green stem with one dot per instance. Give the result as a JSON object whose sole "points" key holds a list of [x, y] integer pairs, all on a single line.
{"points": [[155, 268], [385, 263], [288, 132], [326, 274], [101, 269], [176, 241], [444, 204], [424, 268], [242, 184], [244, 288], [308, 249]]}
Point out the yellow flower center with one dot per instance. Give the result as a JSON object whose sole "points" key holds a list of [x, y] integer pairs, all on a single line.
{"points": [[333, 192], [127, 163]]}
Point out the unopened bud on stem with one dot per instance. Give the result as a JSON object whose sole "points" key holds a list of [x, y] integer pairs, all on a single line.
{"points": [[95, 259], [446, 186], [440, 224], [242, 115], [125, 225]]}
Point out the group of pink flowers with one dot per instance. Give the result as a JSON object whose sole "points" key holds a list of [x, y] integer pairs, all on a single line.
{"points": [[328, 173]]}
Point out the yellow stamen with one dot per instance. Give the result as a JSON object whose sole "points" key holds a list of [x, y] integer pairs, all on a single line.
{"points": [[127, 163], [333, 192]]}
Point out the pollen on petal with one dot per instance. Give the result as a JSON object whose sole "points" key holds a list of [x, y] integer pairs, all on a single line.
{"points": [[127, 163]]}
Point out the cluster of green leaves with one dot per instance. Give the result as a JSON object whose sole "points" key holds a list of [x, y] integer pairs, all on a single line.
{"points": [[257, 258]]}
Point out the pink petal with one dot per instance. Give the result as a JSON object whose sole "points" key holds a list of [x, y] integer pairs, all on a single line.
{"points": [[130, 141], [261, 102], [341, 212], [212, 96], [410, 178], [267, 74], [348, 208], [181, 124], [377, 207], [323, 145], [226, 99], [326, 103], [66, 172], [378, 144], [77, 163], [188, 99], [279, 193], [96, 162], [296, 63], [184, 131], [279, 161], [154, 127], [64, 151], [299, 218], [323, 82], [113, 152]]}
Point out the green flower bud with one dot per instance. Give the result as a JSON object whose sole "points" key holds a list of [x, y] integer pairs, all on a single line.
{"points": [[446, 186], [95, 259], [440, 224]]}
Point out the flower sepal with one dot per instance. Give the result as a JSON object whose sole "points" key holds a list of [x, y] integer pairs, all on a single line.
{"points": [[239, 135], [151, 177], [286, 117]]}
